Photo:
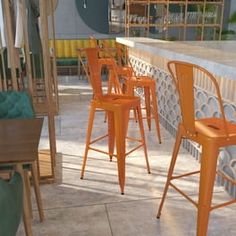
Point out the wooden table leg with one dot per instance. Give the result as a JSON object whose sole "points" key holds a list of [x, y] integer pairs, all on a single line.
{"points": [[26, 208], [37, 190]]}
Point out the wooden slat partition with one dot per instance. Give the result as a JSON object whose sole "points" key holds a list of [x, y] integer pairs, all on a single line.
{"points": [[27, 49], [10, 43], [48, 78], [43, 90], [53, 56]]}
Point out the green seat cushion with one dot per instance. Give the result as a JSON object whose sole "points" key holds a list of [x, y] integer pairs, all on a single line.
{"points": [[67, 62], [11, 205], [15, 105]]}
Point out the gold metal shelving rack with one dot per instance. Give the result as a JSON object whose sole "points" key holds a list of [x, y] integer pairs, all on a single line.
{"points": [[138, 17]]}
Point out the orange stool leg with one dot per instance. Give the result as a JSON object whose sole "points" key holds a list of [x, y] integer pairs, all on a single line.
{"points": [[88, 138], [147, 106], [111, 135], [121, 121], [155, 112], [171, 169], [207, 177], [129, 90], [140, 121]]}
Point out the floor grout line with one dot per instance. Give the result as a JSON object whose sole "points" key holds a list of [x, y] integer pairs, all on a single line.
{"points": [[118, 202], [109, 222]]}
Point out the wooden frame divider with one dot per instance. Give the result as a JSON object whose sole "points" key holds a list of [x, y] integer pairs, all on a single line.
{"points": [[44, 91]]}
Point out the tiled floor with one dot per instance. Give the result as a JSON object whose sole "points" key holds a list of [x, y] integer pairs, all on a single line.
{"points": [[94, 206]]}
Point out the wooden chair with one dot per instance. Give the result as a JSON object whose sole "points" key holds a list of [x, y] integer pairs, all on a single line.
{"points": [[19, 139], [211, 133], [17, 105], [118, 107]]}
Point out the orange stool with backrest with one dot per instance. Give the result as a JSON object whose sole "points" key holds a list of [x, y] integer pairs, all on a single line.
{"points": [[211, 133], [118, 108], [132, 82]]}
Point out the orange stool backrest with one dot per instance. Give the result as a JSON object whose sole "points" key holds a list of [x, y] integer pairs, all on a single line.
{"points": [[94, 71], [184, 75], [114, 73], [121, 54], [95, 64]]}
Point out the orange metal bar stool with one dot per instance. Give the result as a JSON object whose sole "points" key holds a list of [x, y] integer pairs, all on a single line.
{"points": [[118, 108], [211, 133], [132, 82], [149, 87]]}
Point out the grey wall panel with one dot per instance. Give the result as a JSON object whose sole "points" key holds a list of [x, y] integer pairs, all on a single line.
{"points": [[232, 10], [68, 23], [65, 24], [94, 14]]}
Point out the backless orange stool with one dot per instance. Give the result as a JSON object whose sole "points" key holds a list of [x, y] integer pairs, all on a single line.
{"points": [[149, 88], [211, 133], [118, 107]]}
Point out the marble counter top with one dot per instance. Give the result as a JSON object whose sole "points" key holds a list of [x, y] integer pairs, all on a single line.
{"points": [[219, 57]]}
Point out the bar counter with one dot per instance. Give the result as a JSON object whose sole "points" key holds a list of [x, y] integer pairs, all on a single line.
{"points": [[219, 57], [150, 57]]}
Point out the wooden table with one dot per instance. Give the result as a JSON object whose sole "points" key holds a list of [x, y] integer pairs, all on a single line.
{"points": [[19, 139]]}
